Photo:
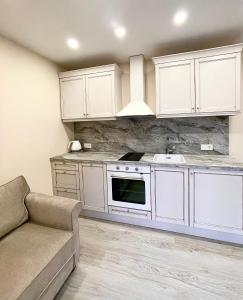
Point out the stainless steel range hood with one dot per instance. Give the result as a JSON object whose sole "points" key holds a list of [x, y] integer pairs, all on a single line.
{"points": [[137, 105]]}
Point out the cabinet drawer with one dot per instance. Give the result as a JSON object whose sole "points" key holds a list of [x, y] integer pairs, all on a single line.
{"points": [[67, 193], [141, 214], [62, 165], [66, 179]]}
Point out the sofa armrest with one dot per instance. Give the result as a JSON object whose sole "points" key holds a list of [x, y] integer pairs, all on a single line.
{"points": [[52, 211], [56, 212]]}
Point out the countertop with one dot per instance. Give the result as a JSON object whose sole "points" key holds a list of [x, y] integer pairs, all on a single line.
{"points": [[221, 162]]}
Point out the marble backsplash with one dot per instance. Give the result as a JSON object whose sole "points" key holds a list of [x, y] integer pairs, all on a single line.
{"points": [[148, 134]]}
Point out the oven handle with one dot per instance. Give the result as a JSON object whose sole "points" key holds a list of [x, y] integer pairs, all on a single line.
{"points": [[129, 178]]}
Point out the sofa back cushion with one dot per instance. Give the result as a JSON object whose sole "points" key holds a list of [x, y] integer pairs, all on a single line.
{"points": [[13, 212]]}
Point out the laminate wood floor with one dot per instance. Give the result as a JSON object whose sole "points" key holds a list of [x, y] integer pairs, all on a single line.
{"points": [[121, 262]]}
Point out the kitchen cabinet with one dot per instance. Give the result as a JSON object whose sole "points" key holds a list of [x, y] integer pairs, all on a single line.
{"points": [[171, 195], [100, 95], [93, 187], [73, 98], [198, 83], [90, 94], [65, 179], [218, 83], [175, 91], [216, 200], [195, 201]]}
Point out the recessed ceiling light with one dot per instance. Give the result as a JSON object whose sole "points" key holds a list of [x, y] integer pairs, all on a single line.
{"points": [[73, 43], [120, 32], [180, 17]]}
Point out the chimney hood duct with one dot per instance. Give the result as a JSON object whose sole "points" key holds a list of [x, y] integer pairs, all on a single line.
{"points": [[137, 105]]}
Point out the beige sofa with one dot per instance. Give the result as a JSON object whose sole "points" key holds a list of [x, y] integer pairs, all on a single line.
{"points": [[39, 242]]}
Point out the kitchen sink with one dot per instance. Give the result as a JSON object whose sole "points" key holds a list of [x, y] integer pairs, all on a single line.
{"points": [[169, 158]]}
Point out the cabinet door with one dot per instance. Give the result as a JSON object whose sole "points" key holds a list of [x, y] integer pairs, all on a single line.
{"points": [[73, 98], [93, 189], [171, 196], [216, 201], [218, 83], [100, 95], [175, 92]]}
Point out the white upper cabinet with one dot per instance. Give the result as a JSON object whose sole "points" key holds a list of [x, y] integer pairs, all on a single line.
{"points": [[175, 88], [100, 95], [90, 94], [218, 83], [73, 97], [203, 82]]}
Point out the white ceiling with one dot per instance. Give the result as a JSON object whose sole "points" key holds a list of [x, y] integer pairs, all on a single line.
{"points": [[44, 26]]}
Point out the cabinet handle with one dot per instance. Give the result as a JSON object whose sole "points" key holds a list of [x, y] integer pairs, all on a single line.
{"points": [[198, 108], [63, 172], [137, 214], [193, 108], [129, 178], [119, 210], [61, 190]]}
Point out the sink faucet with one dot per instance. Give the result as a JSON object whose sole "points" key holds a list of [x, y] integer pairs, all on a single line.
{"points": [[170, 149]]}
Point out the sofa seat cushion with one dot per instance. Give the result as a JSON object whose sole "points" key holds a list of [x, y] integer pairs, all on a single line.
{"points": [[13, 212], [30, 257]]}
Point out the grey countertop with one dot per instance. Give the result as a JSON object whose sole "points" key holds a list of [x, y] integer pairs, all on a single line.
{"points": [[221, 162]]}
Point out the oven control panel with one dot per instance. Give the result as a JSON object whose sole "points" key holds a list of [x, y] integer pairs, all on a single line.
{"points": [[128, 168]]}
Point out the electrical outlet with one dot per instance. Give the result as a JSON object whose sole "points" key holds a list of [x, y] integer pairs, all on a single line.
{"points": [[207, 147], [87, 145]]}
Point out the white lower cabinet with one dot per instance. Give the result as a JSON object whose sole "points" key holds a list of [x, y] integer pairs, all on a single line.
{"points": [[216, 200], [170, 201], [65, 179], [93, 187], [202, 202]]}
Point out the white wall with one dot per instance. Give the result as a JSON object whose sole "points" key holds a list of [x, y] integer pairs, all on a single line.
{"points": [[30, 127]]}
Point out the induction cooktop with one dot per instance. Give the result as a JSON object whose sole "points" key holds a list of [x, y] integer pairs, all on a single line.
{"points": [[132, 156]]}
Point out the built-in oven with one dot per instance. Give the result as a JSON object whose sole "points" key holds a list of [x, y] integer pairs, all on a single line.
{"points": [[129, 186]]}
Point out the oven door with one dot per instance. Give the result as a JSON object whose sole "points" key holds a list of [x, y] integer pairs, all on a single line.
{"points": [[130, 190]]}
